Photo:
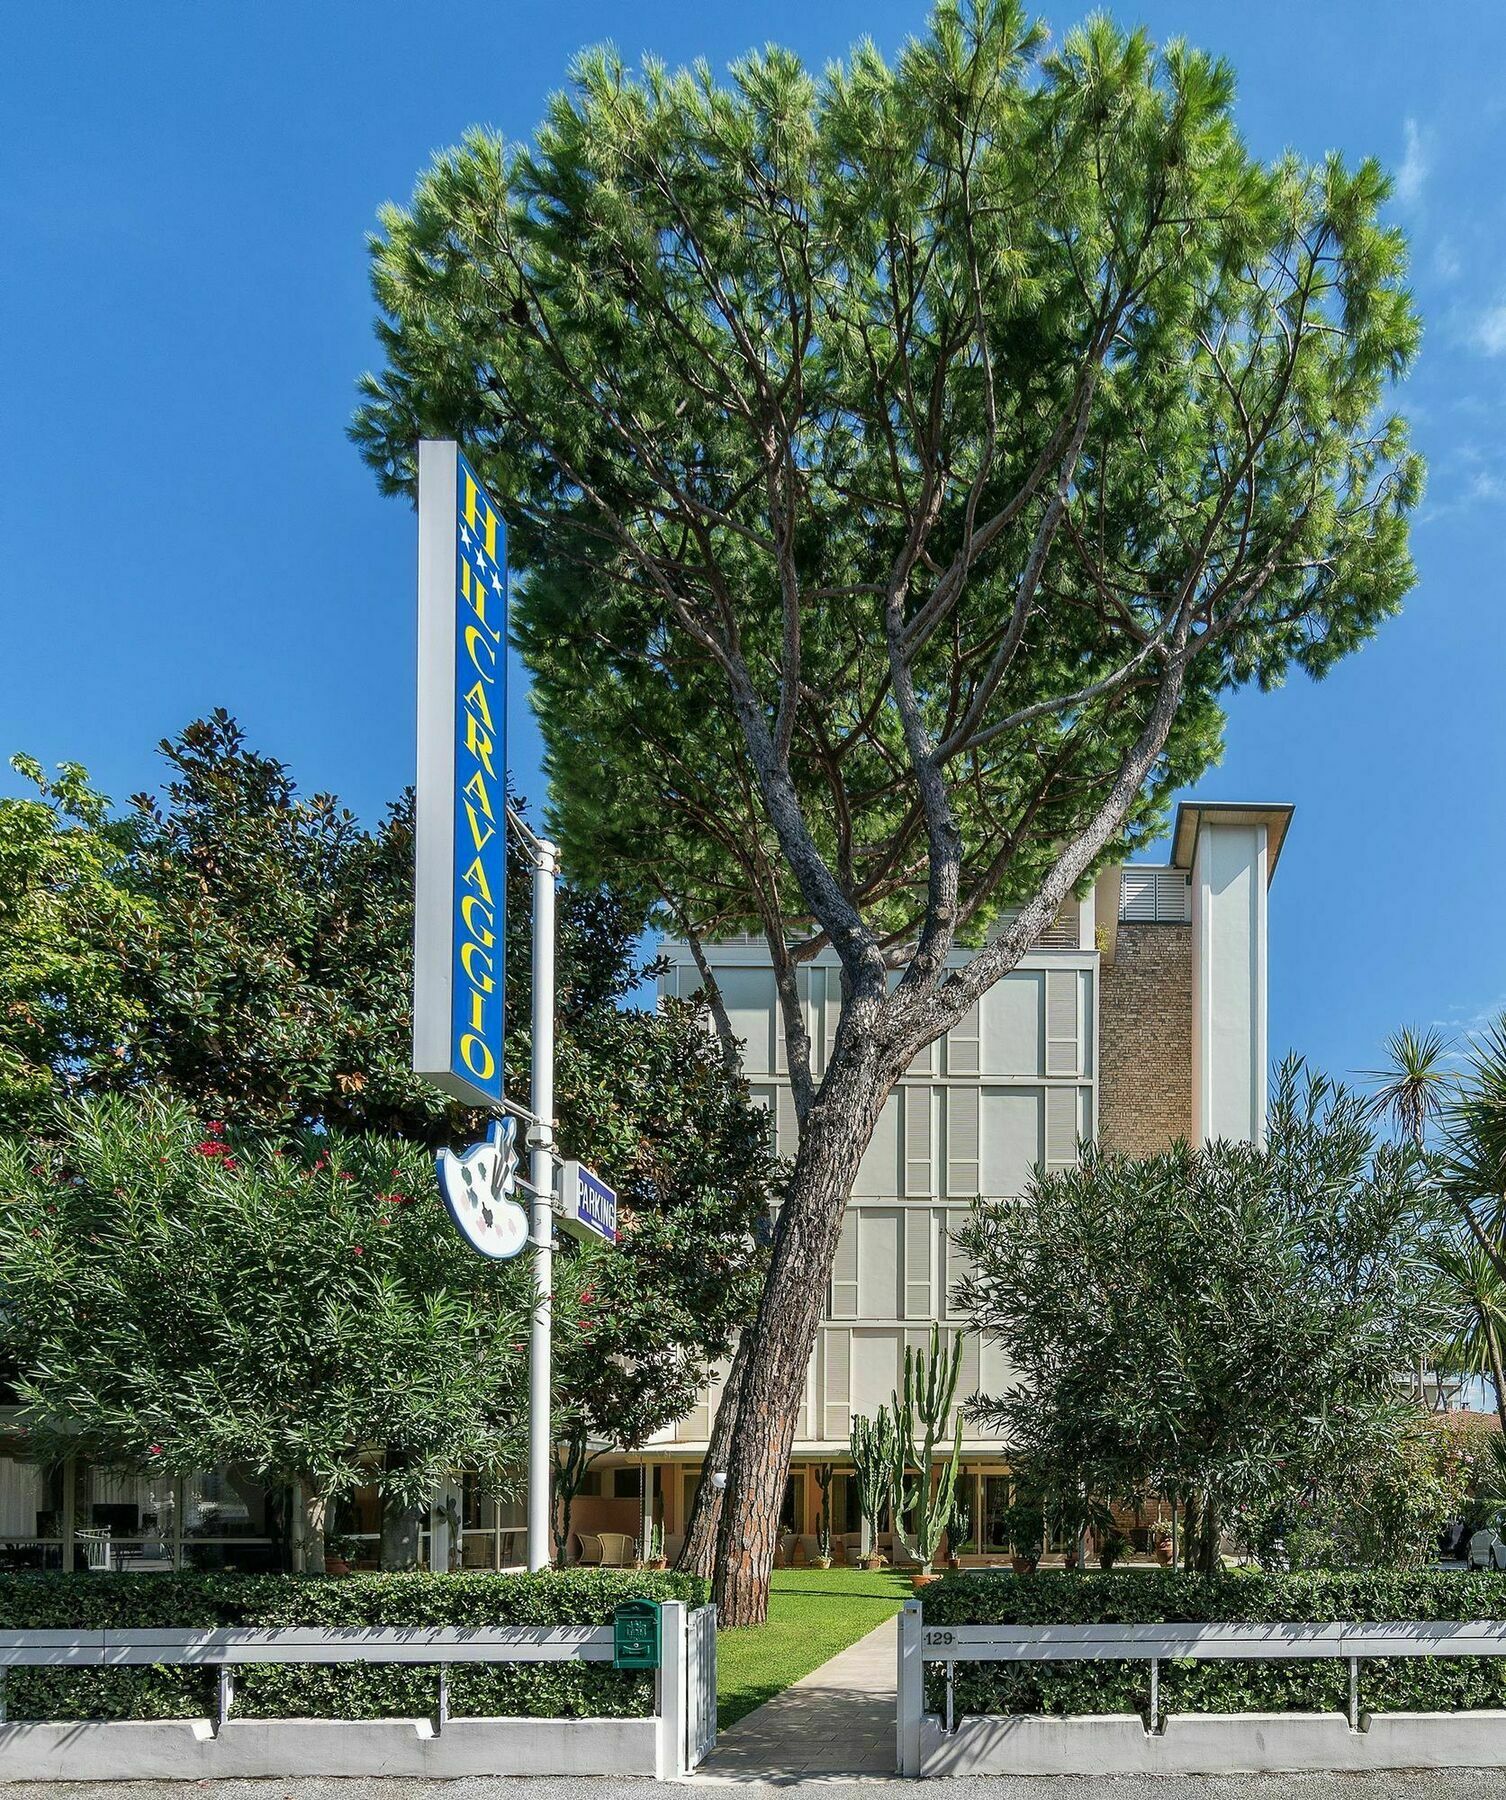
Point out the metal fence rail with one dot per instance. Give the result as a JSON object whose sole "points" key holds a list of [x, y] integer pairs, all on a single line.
{"points": [[920, 1644], [685, 1693]]}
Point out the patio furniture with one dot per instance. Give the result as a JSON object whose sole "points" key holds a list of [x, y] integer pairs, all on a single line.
{"points": [[590, 1548], [616, 1550]]}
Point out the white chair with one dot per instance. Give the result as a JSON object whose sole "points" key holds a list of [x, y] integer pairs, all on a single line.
{"points": [[590, 1548]]}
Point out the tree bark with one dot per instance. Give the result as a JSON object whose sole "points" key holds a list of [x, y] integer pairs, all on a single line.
{"points": [[837, 1129], [313, 1509], [1209, 1560], [1190, 1532], [698, 1552]]}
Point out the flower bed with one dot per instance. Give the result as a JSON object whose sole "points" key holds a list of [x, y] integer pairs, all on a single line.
{"points": [[561, 1690], [1401, 1684]]}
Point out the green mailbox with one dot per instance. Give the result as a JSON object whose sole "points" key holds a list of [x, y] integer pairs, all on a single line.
{"points": [[636, 1635]]}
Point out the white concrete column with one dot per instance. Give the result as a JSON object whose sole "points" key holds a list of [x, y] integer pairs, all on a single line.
{"points": [[1229, 1054]]}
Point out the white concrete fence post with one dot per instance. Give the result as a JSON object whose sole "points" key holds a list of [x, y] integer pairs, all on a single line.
{"points": [[911, 1687], [672, 1705]]}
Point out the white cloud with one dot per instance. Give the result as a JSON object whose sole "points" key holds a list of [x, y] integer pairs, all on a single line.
{"points": [[1489, 330], [1446, 262], [1413, 172]]}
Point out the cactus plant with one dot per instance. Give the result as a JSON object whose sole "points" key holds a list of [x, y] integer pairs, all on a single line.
{"points": [[929, 1393], [824, 1474], [872, 1442]]}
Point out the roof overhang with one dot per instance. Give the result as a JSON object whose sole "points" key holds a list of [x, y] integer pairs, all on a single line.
{"points": [[1193, 814]]}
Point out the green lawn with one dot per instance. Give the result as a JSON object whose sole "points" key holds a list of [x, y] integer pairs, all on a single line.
{"points": [[813, 1613]]}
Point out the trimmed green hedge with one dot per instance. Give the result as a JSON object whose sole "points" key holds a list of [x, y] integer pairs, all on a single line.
{"points": [[348, 1691], [1401, 1684]]}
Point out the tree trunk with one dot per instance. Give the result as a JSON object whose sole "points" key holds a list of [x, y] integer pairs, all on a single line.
{"points": [[1209, 1560], [836, 1132], [1190, 1532], [1497, 1376], [698, 1552], [313, 1507]]}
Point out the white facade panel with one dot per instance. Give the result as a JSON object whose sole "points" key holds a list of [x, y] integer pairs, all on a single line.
{"points": [[1012, 1136], [1013, 1011]]}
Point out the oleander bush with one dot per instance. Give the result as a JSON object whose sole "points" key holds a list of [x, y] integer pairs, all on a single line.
{"points": [[350, 1691], [1402, 1684]]}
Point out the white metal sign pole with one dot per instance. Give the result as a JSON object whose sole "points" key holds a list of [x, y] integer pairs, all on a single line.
{"points": [[541, 1176]]}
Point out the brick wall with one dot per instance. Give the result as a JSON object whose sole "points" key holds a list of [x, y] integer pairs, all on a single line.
{"points": [[1145, 1049]]}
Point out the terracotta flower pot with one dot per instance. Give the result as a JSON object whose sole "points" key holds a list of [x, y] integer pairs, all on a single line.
{"points": [[1023, 1565], [922, 1581], [1163, 1554]]}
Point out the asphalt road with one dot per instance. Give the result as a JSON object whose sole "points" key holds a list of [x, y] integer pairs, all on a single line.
{"points": [[1427, 1784]]}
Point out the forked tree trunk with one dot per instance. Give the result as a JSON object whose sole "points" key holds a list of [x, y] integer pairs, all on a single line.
{"points": [[836, 1133], [698, 1552]]}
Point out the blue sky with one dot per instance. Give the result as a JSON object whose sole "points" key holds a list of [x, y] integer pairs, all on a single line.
{"points": [[184, 192]]}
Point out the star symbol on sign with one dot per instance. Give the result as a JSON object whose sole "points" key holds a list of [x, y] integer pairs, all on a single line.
{"points": [[465, 536], [496, 582]]}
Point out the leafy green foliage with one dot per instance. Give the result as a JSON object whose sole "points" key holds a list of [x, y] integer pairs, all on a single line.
{"points": [[177, 1298], [67, 913], [260, 970], [1236, 1595], [793, 387], [564, 1690], [1226, 1324]]}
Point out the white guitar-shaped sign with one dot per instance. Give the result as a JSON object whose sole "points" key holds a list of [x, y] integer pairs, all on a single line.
{"points": [[477, 1188]]}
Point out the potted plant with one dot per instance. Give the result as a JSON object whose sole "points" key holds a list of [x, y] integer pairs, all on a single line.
{"points": [[1024, 1528], [958, 1529], [824, 1475], [1160, 1542], [653, 1550], [340, 1552], [1111, 1547], [872, 1445], [929, 1397]]}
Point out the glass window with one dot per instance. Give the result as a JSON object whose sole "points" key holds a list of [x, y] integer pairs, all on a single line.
{"points": [[997, 1497], [31, 1515]]}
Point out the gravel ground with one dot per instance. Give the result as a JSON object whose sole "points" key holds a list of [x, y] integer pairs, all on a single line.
{"points": [[1426, 1784]]}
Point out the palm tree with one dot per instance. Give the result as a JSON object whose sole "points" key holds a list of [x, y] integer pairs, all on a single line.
{"points": [[1478, 1328], [1417, 1082]]}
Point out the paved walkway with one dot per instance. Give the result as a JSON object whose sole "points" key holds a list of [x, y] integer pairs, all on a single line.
{"points": [[838, 1720]]}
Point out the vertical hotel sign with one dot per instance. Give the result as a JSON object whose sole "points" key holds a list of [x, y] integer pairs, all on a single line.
{"points": [[460, 892]]}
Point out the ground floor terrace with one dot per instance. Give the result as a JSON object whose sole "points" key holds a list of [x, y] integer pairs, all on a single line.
{"points": [[628, 1498], [78, 1514]]}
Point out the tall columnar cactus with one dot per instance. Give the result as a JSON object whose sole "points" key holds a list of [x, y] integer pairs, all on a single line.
{"points": [[824, 1476], [873, 1450], [930, 1390]]}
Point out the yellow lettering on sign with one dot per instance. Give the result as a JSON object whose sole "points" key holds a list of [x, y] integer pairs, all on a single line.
{"points": [[477, 595], [483, 934], [484, 983], [476, 700], [478, 741], [477, 790], [477, 1058], [475, 876], [475, 642], [479, 516]]}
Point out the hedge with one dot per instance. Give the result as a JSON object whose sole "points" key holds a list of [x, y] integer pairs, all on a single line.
{"points": [[1401, 1684], [351, 1690]]}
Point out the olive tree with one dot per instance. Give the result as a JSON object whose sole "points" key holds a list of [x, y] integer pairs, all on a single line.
{"points": [[900, 466]]}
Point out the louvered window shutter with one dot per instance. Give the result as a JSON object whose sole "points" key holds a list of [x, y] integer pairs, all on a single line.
{"points": [[962, 1178], [1061, 1127], [1173, 896], [1061, 1021], [844, 1270], [959, 1265], [962, 1046], [969, 1375], [781, 1047], [920, 1236], [836, 1411], [789, 1130], [919, 1159], [924, 1062], [1137, 895]]}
